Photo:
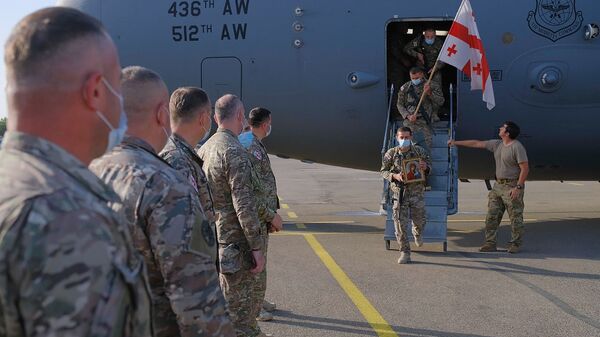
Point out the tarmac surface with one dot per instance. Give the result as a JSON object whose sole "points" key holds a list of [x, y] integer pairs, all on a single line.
{"points": [[330, 274]]}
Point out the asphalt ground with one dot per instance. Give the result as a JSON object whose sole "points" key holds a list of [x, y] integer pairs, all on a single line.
{"points": [[330, 274]]}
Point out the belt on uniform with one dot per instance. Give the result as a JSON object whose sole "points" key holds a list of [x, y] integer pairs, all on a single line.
{"points": [[506, 181]]}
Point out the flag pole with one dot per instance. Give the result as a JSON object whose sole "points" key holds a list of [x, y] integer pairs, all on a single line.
{"points": [[428, 83]]}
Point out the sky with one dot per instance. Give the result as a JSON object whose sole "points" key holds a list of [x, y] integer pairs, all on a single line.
{"points": [[9, 16]]}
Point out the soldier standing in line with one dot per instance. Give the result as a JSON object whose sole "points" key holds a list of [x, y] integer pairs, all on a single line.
{"points": [[191, 123], [409, 198], [241, 244], [425, 49], [67, 263], [260, 128], [408, 99], [512, 168], [164, 216]]}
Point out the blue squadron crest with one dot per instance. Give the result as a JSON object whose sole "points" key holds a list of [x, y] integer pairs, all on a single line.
{"points": [[555, 19]]}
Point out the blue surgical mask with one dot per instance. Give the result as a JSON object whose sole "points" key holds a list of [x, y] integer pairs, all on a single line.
{"points": [[116, 135], [403, 142], [429, 41], [417, 81]]}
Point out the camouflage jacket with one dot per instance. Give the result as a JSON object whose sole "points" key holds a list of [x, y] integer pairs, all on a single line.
{"points": [[168, 227], [430, 52], [261, 165], [182, 157], [409, 95], [229, 174], [67, 264], [392, 164]]}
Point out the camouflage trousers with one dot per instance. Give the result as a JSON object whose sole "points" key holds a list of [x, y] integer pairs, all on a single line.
{"points": [[499, 200], [260, 285], [421, 126], [411, 207], [238, 290]]}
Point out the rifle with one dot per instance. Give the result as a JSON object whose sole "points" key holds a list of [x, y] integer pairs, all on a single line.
{"points": [[426, 117]]}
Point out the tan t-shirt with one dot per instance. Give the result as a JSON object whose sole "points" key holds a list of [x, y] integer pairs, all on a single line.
{"points": [[507, 158]]}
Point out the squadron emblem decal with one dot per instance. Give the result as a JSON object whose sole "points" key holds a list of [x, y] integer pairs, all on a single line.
{"points": [[555, 19]]}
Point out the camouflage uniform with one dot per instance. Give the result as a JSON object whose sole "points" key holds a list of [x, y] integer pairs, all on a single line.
{"points": [[182, 157], [67, 264], [239, 231], [499, 200], [170, 230], [409, 199], [266, 195], [408, 99], [430, 54]]}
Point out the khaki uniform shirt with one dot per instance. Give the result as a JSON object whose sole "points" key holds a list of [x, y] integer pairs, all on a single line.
{"points": [[168, 227], [507, 158], [67, 264]]}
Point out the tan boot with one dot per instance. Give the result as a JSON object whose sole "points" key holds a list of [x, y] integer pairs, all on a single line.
{"points": [[269, 306], [513, 249], [264, 316], [488, 247], [404, 258]]}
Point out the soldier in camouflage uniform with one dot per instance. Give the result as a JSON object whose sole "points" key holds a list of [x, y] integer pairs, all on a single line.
{"points": [[241, 238], [191, 123], [425, 49], [67, 264], [260, 128], [512, 169], [164, 216], [408, 99], [409, 198]]}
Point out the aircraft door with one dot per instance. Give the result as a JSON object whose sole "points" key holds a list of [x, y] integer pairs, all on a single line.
{"points": [[222, 75]]}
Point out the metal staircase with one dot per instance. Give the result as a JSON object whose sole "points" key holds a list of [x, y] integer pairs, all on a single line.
{"points": [[441, 200]]}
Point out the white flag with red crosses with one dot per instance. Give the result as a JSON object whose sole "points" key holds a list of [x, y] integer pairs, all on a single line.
{"points": [[463, 49]]}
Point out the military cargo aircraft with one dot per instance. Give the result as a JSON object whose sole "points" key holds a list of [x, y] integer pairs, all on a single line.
{"points": [[325, 67]]}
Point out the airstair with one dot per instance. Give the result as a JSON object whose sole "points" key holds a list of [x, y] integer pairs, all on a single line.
{"points": [[441, 200]]}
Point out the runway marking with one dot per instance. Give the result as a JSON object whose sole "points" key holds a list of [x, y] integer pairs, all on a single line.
{"points": [[373, 317], [576, 184], [301, 226], [292, 215], [483, 220], [291, 233], [285, 206]]}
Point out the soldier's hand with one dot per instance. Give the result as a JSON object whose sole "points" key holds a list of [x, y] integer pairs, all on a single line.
{"points": [[276, 223], [259, 262], [398, 177], [423, 165], [412, 118], [427, 89], [450, 142], [515, 193], [421, 58]]}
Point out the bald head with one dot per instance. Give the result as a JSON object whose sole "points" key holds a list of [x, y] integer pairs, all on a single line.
{"points": [[54, 48]]}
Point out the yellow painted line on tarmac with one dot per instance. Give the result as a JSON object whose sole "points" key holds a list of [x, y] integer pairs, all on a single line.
{"points": [[373, 317], [483, 220], [285, 206], [292, 215], [301, 226]]}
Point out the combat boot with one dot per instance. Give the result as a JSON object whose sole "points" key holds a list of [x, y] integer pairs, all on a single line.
{"points": [[513, 249], [418, 241], [269, 306], [404, 258], [264, 316], [488, 247]]}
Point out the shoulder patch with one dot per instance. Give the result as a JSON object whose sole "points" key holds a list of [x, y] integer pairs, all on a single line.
{"points": [[257, 154]]}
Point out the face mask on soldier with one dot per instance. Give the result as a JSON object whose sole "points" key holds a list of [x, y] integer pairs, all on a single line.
{"points": [[416, 81], [429, 41]]}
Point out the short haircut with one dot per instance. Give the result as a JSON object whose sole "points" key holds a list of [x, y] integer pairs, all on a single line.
{"points": [[416, 70], [258, 116], [42, 35], [186, 103], [227, 106], [134, 79], [429, 29], [513, 129], [405, 129], [139, 74]]}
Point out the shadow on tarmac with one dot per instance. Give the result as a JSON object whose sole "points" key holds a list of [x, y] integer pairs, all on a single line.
{"points": [[353, 327]]}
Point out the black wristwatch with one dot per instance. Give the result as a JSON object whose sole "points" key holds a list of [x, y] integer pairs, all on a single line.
{"points": [[519, 187]]}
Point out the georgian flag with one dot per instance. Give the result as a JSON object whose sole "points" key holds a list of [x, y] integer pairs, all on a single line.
{"points": [[463, 49]]}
